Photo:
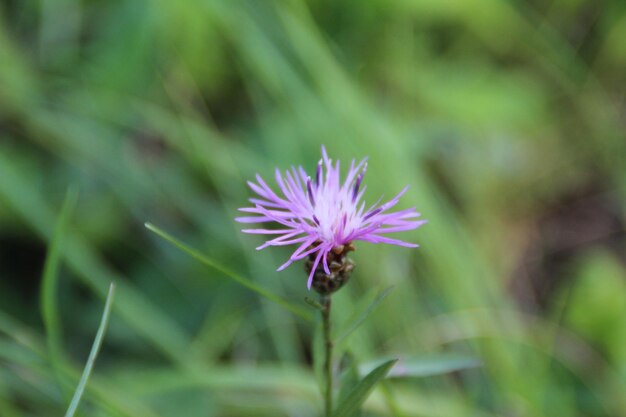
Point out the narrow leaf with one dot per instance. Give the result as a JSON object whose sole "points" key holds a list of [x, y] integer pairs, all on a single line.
{"points": [[390, 399], [359, 394], [313, 303], [424, 366], [300, 312], [92, 355], [349, 378], [49, 283], [361, 313]]}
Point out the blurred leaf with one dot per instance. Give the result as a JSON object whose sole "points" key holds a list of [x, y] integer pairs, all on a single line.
{"points": [[48, 302], [18, 84], [92, 355], [313, 303], [300, 312], [424, 366], [18, 191], [349, 378], [390, 399], [596, 306], [359, 394], [26, 352], [361, 312]]}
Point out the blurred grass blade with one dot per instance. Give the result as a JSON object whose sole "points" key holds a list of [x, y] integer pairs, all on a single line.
{"points": [[48, 301], [93, 354], [418, 367], [390, 400], [361, 313], [147, 320], [300, 312], [349, 378], [359, 394]]}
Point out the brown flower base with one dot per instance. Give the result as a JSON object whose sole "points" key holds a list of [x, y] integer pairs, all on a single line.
{"points": [[340, 266]]}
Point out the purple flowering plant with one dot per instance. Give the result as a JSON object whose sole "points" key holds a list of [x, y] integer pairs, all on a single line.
{"points": [[324, 215]]}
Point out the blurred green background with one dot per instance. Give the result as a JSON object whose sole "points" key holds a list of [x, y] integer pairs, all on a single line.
{"points": [[506, 118]]}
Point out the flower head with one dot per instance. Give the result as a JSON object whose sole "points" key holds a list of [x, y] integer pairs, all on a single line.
{"points": [[323, 213]]}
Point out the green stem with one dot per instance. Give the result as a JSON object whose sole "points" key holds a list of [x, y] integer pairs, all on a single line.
{"points": [[328, 361]]}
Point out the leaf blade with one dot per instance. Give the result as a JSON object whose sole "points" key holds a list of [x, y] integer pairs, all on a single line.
{"points": [[349, 377], [93, 354], [49, 282], [357, 320], [420, 367], [300, 312], [359, 394]]}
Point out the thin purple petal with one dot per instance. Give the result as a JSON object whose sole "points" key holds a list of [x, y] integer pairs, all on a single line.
{"points": [[313, 269]]}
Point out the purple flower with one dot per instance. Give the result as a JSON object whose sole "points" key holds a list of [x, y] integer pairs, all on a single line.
{"points": [[323, 213]]}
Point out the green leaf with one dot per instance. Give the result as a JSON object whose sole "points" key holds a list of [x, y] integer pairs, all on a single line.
{"points": [[390, 400], [92, 355], [361, 313], [49, 282], [300, 312], [313, 303], [418, 367], [349, 378], [359, 394]]}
